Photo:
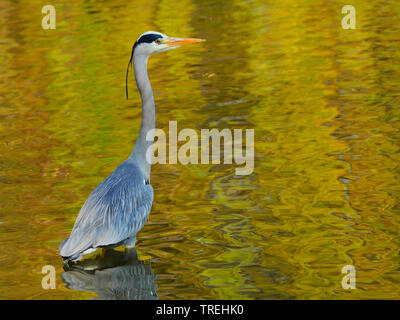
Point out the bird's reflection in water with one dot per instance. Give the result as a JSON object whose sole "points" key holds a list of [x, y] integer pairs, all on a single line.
{"points": [[114, 276]]}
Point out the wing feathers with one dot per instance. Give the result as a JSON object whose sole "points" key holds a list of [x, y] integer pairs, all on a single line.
{"points": [[116, 210]]}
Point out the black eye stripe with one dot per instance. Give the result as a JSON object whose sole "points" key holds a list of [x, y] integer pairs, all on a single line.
{"points": [[149, 38]]}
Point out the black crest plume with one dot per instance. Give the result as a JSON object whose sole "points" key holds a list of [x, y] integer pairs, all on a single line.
{"points": [[127, 70]]}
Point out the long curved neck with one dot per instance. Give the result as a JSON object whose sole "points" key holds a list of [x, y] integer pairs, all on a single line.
{"points": [[144, 146]]}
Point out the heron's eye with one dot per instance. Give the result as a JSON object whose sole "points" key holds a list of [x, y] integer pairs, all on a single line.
{"points": [[158, 41]]}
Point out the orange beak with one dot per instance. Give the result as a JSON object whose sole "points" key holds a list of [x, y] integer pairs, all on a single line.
{"points": [[176, 42]]}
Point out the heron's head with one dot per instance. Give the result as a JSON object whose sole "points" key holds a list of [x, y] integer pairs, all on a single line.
{"points": [[152, 42]]}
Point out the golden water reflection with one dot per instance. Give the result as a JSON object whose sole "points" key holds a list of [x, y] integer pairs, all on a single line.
{"points": [[324, 103]]}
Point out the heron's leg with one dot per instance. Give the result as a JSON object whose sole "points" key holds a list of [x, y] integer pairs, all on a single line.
{"points": [[130, 242], [102, 252], [131, 254]]}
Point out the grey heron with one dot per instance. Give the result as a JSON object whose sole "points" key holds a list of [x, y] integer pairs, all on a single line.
{"points": [[117, 208]]}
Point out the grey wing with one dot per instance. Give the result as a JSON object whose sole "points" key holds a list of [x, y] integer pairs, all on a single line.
{"points": [[116, 210]]}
